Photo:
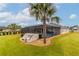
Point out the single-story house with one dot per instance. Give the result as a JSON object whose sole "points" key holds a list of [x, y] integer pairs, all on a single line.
{"points": [[64, 29], [2, 28], [75, 28], [52, 29]]}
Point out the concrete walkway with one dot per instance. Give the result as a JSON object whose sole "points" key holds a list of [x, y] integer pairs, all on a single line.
{"points": [[39, 42]]}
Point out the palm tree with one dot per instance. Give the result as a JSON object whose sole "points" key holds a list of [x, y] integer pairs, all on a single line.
{"points": [[43, 12]]}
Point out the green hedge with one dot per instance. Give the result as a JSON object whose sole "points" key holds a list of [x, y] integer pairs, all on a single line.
{"points": [[8, 33]]}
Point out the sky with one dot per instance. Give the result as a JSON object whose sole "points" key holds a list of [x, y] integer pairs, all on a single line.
{"points": [[19, 13]]}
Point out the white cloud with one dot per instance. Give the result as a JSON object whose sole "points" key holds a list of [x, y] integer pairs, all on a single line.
{"points": [[39, 22], [23, 24], [26, 11], [2, 5], [72, 16], [57, 6], [20, 17], [3, 21], [5, 14], [24, 14]]}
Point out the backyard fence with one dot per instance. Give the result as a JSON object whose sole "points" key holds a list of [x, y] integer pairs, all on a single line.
{"points": [[9, 33]]}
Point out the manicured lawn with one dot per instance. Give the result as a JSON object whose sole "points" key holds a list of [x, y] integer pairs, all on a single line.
{"points": [[62, 45]]}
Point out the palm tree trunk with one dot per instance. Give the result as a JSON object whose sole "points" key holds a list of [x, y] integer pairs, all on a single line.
{"points": [[44, 31]]}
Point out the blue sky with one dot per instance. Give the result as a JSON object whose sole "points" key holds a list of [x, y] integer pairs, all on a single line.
{"points": [[69, 13], [19, 13]]}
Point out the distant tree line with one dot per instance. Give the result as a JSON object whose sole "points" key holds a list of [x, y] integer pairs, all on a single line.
{"points": [[10, 29], [14, 26]]}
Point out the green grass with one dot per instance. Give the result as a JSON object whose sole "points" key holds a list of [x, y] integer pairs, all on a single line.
{"points": [[68, 45]]}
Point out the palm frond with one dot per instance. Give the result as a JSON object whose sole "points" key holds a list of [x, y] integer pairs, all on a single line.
{"points": [[42, 11]]}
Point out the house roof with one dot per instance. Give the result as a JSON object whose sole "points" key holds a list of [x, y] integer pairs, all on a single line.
{"points": [[65, 27], [75, 27], [2, 27], [40, 25]]}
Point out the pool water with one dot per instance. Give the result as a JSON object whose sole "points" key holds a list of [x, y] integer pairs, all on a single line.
{"points": [[50, 34]]}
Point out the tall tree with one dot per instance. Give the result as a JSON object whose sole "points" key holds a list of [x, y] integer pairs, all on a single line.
{"points": [[43, 12], [13, 26]]}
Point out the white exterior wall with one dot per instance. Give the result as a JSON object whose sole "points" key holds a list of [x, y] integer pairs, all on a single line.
{"points": [[64, 30]]}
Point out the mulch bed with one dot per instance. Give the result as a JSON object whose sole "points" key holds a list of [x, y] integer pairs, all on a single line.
{"points": [[41, 43]]}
